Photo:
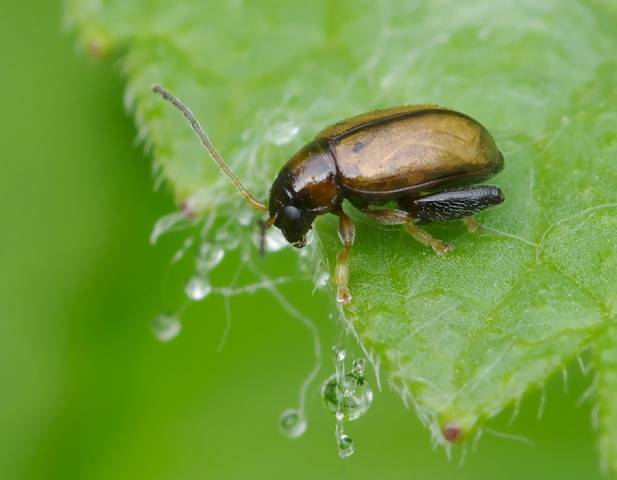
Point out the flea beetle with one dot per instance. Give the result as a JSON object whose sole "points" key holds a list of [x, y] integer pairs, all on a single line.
{"points": [[426, 160]]}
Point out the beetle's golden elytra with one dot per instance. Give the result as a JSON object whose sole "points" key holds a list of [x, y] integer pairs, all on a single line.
{"points": [[425, 158]]}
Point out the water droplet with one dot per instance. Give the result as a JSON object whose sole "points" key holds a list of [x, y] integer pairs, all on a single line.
{"points": [[166, 327], [339, 354], [345, 446], [197, 288], [274, 240], [351, 397], [165, 224], [322, 279], [227, 240], [348, 396], [358, 366], [245, 217], [282, 133], [293, 423], [209, 257]]}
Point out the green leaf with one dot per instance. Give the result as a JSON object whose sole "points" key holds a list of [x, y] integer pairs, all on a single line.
{"points": [[464, 335]]}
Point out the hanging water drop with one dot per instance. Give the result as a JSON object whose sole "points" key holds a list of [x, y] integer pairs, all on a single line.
{"points": [[166, 327], [293, 423], [245, 217], [339, 355], [197, 288], [344, 442], [210, 256], [227, 240], [273, 240], [322, 279], [347, 395], [351, 396], [345, 446], [358, 366]]}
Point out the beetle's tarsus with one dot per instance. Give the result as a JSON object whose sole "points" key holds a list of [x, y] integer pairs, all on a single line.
{"points": [[441, 248], [419, 234], [343, 295]]}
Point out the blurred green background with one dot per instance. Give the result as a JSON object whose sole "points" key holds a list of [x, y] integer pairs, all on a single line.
{"points": [[87, 391]]}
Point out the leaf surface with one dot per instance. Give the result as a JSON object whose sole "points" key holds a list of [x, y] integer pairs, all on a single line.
{"points": [[460, 336]]}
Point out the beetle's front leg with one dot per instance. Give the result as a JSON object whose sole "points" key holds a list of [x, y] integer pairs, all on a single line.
{"points": [[347, 233]]}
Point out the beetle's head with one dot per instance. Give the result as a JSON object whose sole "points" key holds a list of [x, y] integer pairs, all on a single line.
{"points": [[289, 211], [294, 223], [303, 189]]}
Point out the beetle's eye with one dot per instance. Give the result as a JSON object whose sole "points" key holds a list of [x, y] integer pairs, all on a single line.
{"points": [[292, 213], [294, 224]]}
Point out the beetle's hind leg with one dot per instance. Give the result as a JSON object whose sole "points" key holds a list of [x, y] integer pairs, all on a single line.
{"points": [[400, 217], [457, 204]]}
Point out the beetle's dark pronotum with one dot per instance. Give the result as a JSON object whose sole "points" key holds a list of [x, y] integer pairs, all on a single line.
{"points": [[426, 159]]}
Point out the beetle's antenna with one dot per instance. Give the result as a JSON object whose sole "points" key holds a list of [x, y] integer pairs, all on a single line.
{"points": [[198, 129]]}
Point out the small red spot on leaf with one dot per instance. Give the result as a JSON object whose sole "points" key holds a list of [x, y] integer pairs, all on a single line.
{"points": [[97, 48], [451, 431]]}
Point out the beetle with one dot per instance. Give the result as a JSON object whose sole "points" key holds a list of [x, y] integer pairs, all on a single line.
{"points": [[404, 165]]}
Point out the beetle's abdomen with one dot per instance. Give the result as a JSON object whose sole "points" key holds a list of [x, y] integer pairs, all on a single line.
{"points": [[424, 149]]}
